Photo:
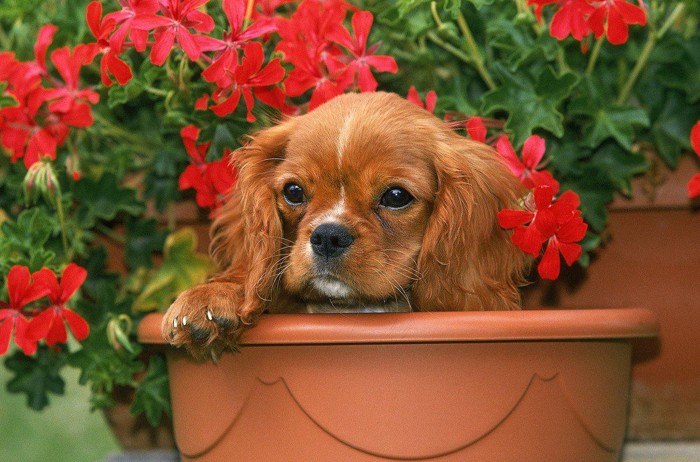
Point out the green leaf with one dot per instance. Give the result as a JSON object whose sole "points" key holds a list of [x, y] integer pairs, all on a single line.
{"points": [[37, 376], [518, 45], [104, 198], [182, 268], [530, 103], [606, 120], [103, 367], [6, 100], [153, 393], [619, 165], [671, 126], [25, 240], [596, 192], [143, 238], [679, 64]]}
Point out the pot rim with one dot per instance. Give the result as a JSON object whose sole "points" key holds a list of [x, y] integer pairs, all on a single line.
{"points": [[436, 327]]}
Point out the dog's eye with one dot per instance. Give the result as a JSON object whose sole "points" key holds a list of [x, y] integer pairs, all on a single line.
{"points": [[396, 198], [293, 194]]}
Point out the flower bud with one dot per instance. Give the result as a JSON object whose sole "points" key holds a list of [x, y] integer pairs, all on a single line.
{"points": [[41, 181]]}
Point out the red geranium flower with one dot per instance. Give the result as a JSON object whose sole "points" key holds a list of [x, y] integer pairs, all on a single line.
{"points": [[250, 75], [110, 62], [305, 44], [611, 17], [68, 64], [527, 170], [570, 18], [362, 58], [125, 17], [179, 16], [430, 99], [694, 183], [211, 180], [562, 241], [557, 222], [226, 57], [50, 323], [21, 291]]}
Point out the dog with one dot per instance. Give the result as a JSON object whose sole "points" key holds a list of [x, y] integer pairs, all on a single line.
{"points": [[367, 203]]}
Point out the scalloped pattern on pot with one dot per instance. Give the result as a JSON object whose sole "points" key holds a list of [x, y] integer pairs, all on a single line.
{"points": [[447, 402]]}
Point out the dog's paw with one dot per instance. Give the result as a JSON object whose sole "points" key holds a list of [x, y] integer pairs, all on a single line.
{"points": [[205, 319]]}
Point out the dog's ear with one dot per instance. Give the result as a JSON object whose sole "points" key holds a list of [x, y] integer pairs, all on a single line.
{"points": [[467, 262], [247, 233]]}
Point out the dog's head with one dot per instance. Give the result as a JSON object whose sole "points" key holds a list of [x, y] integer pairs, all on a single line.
{"points": [[370, 200]]}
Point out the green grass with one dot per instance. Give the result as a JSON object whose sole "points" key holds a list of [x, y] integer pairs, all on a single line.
{"points": [[65, 431]]}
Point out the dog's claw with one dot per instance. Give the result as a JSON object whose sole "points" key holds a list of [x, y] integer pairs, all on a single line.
{"points": [[204, 320]]}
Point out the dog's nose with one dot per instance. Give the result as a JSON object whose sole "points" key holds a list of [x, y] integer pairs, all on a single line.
{"points": [[330, 240]]}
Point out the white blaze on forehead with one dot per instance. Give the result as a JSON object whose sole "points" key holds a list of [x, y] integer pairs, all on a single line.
{"points": [[344, 135]]}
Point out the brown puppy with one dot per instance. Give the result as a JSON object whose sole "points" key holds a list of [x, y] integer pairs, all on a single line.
{"points": [[368, 203]]}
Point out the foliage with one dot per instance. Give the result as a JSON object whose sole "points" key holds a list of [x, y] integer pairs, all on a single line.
{"points": [[113, 117]]}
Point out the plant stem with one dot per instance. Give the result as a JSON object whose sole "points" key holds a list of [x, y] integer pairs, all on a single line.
{"points": [[594, 56], [62, 223], [646, 53], [473, 49], [677, 11], [449, 48], [110, 233], [436, 16], [119, 132]]}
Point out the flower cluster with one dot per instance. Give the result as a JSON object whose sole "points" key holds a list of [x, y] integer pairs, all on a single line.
{"points": [[32, 322], [325, 58], [45, 107], [580, 18], [544, 218]]}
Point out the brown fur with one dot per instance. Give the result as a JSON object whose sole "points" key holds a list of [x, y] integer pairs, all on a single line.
{"points": [[443, 252]]}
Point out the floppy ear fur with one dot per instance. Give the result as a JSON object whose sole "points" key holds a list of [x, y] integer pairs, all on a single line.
{"points": [[247, 234], [467, 262]]}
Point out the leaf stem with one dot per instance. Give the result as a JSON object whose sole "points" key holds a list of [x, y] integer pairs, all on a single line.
{"points": [[110, 233], [62, 223], [594, 56], [432, 36], [119, 132], [436, 16], [473, 49], [654, 36]]}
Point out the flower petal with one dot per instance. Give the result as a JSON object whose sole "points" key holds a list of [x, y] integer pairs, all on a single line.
{"points": [[570, 252], [694, 186], [528, 239], [78, 326], [550, 265], [5, 335], [40, 324], [72, 278], [27, 344], [505, 149], [513, 218], [695, 138], [477, 131], [543, 196], [533, 151]]}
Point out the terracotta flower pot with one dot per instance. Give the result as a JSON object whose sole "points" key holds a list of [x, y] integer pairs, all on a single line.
{"points": [[457, 386]]}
